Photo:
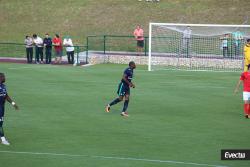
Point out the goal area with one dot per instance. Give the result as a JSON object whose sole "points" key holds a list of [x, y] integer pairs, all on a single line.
{"points": [[196, 47]]}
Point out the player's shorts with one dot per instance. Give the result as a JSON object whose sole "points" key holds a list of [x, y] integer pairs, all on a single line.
{"points": [[140, 43], [123, 89], [246, 96]]}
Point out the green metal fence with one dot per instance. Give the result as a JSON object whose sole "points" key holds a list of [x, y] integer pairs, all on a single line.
{"points": [[114, 43], [12, 50], [202, 46]]}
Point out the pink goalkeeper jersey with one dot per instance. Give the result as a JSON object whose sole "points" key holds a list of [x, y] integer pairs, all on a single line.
{"points": [[138, 33]]}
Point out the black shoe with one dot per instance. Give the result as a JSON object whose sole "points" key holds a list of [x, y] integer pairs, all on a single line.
{"points": [[246, 116]]}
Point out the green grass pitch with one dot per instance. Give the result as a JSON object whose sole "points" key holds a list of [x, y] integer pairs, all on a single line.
{"points": [[177, 118]]}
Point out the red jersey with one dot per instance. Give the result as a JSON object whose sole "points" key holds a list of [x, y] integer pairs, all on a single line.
{"points": [[58, 44], [245, 77]]}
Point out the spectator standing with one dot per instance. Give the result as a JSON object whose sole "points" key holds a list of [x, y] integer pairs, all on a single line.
{"points": [[139, 37], [39, 48], [29, 48], [225, 45], [186, 40], [237, 40], [48, 47], [67, 42], [57, 42]]}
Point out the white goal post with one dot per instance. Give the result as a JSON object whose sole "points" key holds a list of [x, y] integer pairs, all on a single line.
{"points": [[196, 46]]}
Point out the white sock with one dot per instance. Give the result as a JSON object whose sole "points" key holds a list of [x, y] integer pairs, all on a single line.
{"points": [[3, 138]]}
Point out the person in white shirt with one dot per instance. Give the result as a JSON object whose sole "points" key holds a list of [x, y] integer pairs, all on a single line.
{"points": [[225, 45], [186, 40], [39, 48], [29, 48], [67, 42]]}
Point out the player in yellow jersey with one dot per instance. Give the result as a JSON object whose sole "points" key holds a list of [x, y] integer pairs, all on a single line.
{"points": [[246, 54]]}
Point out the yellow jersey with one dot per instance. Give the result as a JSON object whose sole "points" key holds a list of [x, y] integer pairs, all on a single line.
{"points": [[247, 51]]}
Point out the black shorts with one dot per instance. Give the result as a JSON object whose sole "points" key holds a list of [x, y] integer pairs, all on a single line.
{"points": [[140, 43], [123, 89]]}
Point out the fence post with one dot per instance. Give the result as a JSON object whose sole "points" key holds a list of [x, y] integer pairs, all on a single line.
{"points": [[87, 50], [231, 51], [77, 55], [146, 47], [104, 44]]}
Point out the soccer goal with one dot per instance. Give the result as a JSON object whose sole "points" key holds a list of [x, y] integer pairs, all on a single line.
{"points": [[196, 46]]}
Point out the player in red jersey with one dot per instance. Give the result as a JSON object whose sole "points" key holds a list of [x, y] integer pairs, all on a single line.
{"points": [[245, 80]]}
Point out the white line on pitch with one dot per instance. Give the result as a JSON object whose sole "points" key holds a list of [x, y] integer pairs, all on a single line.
{"points": [[33, 67], [117, 158], [16, 68]]}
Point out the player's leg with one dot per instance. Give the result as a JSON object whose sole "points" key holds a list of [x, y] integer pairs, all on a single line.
{"points": [[3, 139], [248, 111], [121, 92], [246, 98], [125, 105], [1, 127], [115, 101], [246, 108]]}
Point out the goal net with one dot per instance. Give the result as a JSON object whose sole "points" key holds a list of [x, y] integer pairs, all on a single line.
{"points": [[197, 46]]}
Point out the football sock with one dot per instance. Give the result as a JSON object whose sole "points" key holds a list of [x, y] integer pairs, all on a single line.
{"points": [[125, 106], [1, 132], [117, 100], [1, 129], [246, 108]]}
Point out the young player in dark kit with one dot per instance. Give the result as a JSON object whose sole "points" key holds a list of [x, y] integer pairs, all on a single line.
{"points": [[3, 97], [124, 89]]}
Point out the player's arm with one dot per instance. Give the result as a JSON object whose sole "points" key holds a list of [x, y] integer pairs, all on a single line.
{"points": [[124, 78], [238, 86], [11, 102]]}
